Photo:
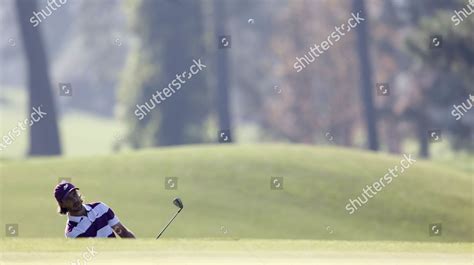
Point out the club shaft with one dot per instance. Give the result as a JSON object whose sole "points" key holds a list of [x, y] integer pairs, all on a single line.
{"points": [[171, 220]]}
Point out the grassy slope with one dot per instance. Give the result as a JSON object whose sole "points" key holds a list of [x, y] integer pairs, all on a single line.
{"points": [[227, 188]]}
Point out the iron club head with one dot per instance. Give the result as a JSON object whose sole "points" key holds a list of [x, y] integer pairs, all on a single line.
{"points": [[178, 203]]}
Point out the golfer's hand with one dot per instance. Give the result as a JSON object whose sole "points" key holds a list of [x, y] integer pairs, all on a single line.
{"points": [[122, 231]]}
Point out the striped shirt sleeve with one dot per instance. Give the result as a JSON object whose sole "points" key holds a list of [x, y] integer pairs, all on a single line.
{"points": [[111, 217], [69, 227], [73, 230]]}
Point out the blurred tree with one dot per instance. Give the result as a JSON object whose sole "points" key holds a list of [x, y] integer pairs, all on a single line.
{"points": [[423, 90], [450, 68], [223, 80], [95, 51], [44, 135], [414, 100], [365, 66], [389, 62], [13, 75], [317, 102], [254, 64], [170, 36]]}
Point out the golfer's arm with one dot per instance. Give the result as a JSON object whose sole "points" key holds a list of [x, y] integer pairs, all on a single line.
{"points": [[122, 231]]}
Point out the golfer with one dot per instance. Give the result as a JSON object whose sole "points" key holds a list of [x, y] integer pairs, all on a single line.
{"points": [[87, 220]]}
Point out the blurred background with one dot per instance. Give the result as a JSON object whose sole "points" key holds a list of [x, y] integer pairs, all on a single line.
{"points": [[115, 54], [400, 82]]}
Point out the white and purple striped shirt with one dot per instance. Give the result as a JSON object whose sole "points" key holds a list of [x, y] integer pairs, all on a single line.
{"points": [[97, 222]]}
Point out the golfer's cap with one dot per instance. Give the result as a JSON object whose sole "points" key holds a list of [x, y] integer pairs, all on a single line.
{"points": [[62, 190]]}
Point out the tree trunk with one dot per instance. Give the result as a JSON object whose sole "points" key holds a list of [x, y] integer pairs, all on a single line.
{"points": [[366, 75], [223, 106], [178, 42], [173, 112], [422, 128], [44, 134], [393, 136]]}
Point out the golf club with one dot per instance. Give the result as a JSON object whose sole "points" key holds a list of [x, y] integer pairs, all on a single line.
{"points": [[179, 204]]}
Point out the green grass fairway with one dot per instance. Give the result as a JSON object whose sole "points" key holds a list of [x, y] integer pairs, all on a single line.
{"points": [[226, 192], [60, 251]]}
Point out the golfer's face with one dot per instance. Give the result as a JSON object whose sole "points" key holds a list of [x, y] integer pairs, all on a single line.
{"points": [[73, 200]]}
